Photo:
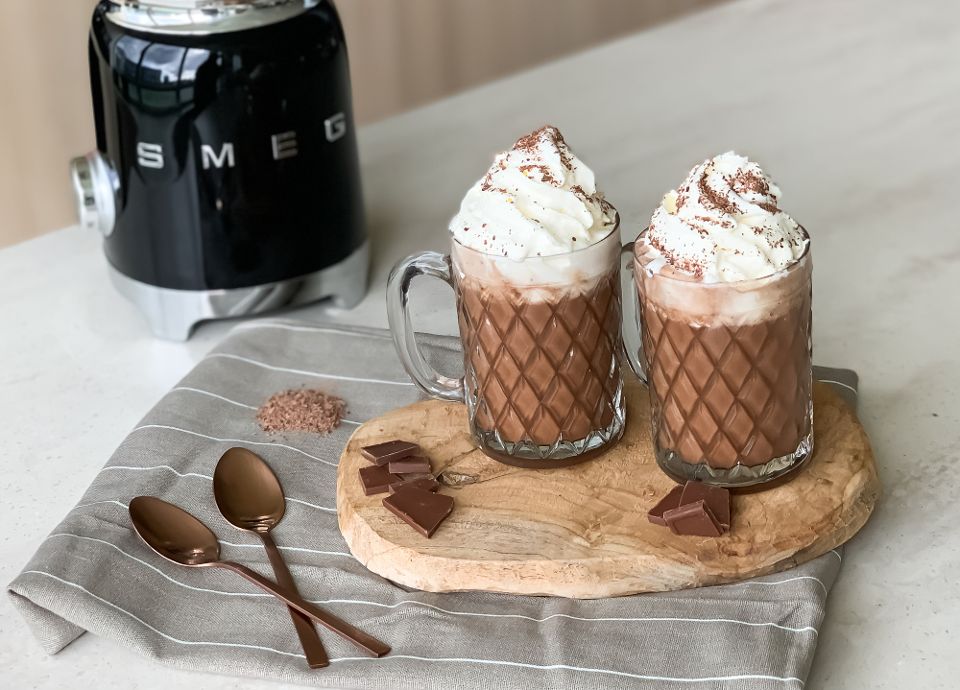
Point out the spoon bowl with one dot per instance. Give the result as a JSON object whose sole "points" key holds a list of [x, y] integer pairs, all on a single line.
{"points": [[174, 533], [247, 491]]}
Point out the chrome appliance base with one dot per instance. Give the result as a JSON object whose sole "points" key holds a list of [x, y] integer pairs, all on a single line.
{"points": [[172, 314]]}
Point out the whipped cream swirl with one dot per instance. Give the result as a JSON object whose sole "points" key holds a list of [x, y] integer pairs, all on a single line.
{"points": [[724, 223], [537, 199]]}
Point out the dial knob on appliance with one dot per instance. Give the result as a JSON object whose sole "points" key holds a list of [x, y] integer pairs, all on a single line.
{"points": [[94, 185]]}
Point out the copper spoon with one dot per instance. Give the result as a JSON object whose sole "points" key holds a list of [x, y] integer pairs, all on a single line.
{"points": [[178, 536], [250, 497]]}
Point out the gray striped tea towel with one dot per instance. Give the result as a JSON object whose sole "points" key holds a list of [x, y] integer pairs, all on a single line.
{"points": [[93, 573]]}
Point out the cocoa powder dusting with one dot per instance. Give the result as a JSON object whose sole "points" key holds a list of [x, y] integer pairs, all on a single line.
{"points": [[301, 409], [550, 134], [745, 181], [715, 199], [544, 171]]}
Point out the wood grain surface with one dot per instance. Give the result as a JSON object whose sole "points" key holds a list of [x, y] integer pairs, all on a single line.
{"points": [[583, 531]]}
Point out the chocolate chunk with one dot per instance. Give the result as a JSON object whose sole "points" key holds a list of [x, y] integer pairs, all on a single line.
{"points": [[717, 499], [382, 453], [422, 510], [409, 465], [693, 519], [377, 480], [668, 502], [425, 483]]}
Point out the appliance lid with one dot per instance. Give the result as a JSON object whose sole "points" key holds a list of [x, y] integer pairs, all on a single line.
{"points": [[202, 17]]}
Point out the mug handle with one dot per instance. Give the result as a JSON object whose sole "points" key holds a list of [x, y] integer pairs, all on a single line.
{"points": [[631, 344], [425, 376]]}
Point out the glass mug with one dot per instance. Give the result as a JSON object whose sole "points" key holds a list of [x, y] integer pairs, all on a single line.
{"points": [[729, 370], [541, 343], [727, 365]]}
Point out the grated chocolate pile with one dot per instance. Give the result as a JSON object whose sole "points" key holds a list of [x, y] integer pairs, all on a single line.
{"points": [[301, 409]]}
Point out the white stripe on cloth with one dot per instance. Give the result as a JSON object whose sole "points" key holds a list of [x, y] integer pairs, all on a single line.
{"points": [[238, 404], [598, 619], [299, 549], [133, 468], [780, 582], [212, 395], [232, 440], [303, 372], [251, 325], [101, 503], [157, 630], [311, 505], [582, 669], [191, 474], [156, 569], [476, 614], [492, 662]]}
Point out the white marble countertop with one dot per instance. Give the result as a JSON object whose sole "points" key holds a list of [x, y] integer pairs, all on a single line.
{"points": [[853, 105]]}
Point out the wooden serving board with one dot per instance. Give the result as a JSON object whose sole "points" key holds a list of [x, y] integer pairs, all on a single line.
{"points": [[583, 531]]}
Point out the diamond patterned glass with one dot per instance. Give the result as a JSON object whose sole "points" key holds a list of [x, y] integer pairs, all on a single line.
{"points": [[542, 371], [730, 374]]}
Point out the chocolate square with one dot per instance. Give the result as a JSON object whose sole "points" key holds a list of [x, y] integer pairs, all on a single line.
{"points": [[382, 453], [409, 465], [693, 519], [376, 479], [422, 510], [717, 499], [668, 502]]}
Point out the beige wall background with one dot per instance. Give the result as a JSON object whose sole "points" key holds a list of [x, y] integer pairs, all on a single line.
{"points": [[403, 53]]}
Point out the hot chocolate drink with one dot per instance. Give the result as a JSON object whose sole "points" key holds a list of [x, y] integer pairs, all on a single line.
{"points": [[541, 362], [535, 264], [724, 281], [536, 270]]}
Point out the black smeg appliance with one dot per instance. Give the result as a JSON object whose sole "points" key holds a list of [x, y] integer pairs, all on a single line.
{"points": [[226, 180]]}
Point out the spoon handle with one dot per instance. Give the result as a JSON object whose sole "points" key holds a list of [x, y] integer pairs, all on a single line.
{"points": [[309, 640], [368, 643]]}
